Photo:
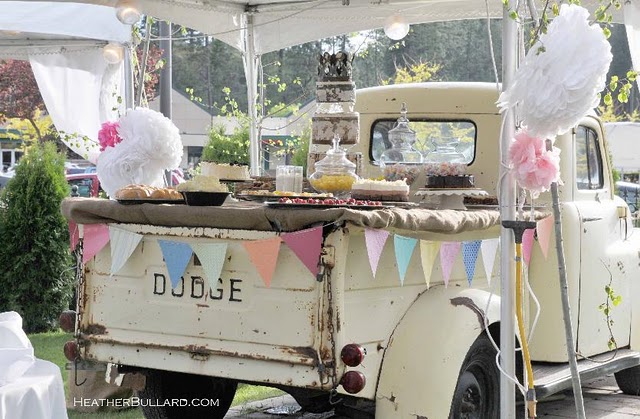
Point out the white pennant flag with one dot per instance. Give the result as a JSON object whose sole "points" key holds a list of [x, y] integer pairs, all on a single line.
{"points": [[211, 256], [489, 249], [123, 244]]}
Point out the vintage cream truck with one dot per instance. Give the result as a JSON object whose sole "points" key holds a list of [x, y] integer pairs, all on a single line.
{"points": [[345, 339]]}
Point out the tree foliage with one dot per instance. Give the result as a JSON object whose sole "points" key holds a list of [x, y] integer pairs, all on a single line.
{"points": [[36, 278], [221, 148], [20, 96]]}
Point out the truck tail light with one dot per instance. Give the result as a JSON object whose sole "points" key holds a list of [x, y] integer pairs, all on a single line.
{"points": [[67, 321], [353, 354], [71, 350], [353, 381]]}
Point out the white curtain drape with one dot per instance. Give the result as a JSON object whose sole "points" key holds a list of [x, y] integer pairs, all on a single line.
{"points": [[80, 91]]}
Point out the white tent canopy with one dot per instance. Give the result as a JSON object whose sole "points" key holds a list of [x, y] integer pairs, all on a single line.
{"points": [[623, 139], [63, 43]]}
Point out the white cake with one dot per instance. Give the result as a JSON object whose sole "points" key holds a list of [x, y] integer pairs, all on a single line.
{"points": [[202, 183], [380, 190], [224, 171]]}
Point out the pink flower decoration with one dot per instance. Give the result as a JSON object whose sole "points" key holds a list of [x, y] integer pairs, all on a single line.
{"points": [[108, 135], [534, 166]]}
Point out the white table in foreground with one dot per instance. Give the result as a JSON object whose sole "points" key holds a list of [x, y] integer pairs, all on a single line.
{"points": [[451, 198], [39, 393]]}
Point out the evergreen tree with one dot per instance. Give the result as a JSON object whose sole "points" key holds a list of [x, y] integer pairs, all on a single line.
{"points": [[36, 278]]}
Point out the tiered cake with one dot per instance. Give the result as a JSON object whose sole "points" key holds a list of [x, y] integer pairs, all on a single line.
{"points": [[335, 97]]}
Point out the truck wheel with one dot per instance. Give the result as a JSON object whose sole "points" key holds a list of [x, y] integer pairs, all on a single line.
{"points": [[629, 381], [174, 395], [477, 394]]}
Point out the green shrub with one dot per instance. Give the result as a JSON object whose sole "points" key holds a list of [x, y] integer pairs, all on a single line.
{"points": [[36, 279], [221, 148]]}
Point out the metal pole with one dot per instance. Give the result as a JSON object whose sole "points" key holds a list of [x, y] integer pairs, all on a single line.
{"points": [[165, 73], [143, 63], [128, 77], [250, 72], [507, 212]]}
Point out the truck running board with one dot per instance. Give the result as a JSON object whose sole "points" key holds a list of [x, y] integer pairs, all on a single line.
{"points": [[551, 378]]}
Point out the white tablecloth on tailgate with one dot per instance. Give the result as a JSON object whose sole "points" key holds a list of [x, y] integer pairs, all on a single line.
{"points": [[38, 393]]}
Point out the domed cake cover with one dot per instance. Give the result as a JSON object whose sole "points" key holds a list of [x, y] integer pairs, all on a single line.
{"points": [[402, 138], [445, 150], [336, 160]]}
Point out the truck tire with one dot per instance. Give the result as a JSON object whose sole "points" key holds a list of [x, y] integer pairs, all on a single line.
{"points": [[165, 387], [629, 381], [477, 394]]}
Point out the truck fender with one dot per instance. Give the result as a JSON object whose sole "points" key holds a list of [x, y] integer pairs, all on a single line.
{"points": [[426, 350]]}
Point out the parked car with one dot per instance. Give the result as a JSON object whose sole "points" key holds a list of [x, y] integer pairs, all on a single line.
{"points": [[87, 184], [630, 192]]}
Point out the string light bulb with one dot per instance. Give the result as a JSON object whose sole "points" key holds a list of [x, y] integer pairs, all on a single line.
{"points": [[127, 11], [113, 53], [396, 27]]}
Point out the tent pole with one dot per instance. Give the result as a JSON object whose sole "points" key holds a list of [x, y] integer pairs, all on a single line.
{"points": [[128, 77], [507, 212], [251, 74]]}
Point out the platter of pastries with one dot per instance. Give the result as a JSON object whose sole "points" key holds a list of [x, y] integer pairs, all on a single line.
{"points": [[140, 194]]}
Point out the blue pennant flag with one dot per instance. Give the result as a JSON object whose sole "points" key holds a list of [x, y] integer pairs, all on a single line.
{"points": [[404, 249], [177, 256], [469, 256]]}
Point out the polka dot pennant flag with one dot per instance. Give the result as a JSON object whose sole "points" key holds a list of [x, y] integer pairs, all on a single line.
{"points": [[212, 257], [404, 249], [527, 244], [375, 240], [470, 251], [448, 253], [177, 256], [428, 254]]}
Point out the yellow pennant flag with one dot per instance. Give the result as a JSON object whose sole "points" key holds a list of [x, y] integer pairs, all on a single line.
{"points": [[428, 253]]}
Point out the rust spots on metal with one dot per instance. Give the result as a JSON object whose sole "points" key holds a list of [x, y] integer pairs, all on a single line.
{"points": [[302, 351], [95, 329], [325, 353], [468, 302], [203, 305]]}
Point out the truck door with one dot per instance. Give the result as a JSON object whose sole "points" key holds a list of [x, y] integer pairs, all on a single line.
{"points": [[601, 238]]}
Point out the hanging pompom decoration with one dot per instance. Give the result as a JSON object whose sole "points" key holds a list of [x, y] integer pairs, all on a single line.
{"points": [[108, 135], [535, 167], [150, 143], [562, 74]]}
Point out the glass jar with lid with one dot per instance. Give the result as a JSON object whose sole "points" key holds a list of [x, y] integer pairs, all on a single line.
{"points": [[402, 138], [335, 173], [445, 149]]}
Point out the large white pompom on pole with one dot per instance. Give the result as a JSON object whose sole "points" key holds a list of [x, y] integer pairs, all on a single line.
{"points": [[561, 76]]}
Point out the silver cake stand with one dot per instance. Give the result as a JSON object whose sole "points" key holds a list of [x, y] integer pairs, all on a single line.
{"points": [[451, 198]]}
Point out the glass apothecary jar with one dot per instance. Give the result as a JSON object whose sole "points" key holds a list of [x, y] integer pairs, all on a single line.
{"points": [[335, 173], [402, 138]]}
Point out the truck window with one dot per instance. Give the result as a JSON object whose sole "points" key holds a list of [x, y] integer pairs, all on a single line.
{"points": [[588, 159], [460, 134]]}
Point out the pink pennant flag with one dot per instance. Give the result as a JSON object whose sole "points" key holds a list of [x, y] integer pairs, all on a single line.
{"points": [[375, 240], [448, 253], [527, 244], [307, 245], [74, 235], [95, 238], [264, 255], [545, 229]]}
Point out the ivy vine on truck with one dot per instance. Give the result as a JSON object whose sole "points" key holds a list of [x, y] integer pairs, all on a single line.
{"points": [[343, 338]]}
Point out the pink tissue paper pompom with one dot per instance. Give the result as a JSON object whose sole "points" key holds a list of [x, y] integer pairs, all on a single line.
{"points": [[108, 135], [534, 166]]}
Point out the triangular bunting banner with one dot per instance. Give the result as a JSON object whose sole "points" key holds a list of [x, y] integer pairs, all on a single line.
{"points": [[123, 244], [74, 235], [95, 238], [307, 245], [176, 256], [448, 253], [264, 255], [404, 249], [211, 256], [428, 253], [544, 228], [489, 250], [470, 251], [527, 244], [375, 240]]}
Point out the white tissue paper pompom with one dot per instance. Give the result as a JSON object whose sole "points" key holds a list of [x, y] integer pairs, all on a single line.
{"points": [[557, 87], [150, 144]]}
